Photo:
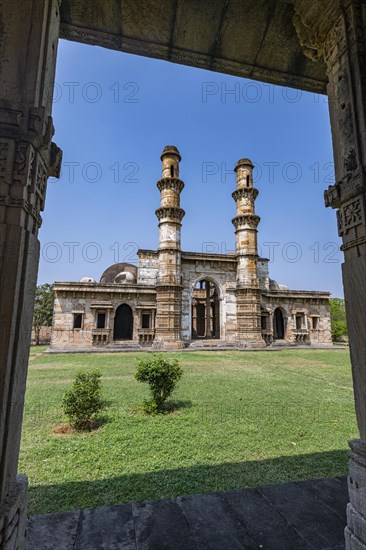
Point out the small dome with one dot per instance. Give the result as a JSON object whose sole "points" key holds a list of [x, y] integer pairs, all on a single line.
{"points": [[111, 272], [124, 277], [273, 285], [87, 280], [243, 162], [170, 150]]}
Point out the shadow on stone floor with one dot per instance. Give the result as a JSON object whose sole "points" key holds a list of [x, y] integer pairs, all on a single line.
{"points": [[170, 483], [305, 515]]}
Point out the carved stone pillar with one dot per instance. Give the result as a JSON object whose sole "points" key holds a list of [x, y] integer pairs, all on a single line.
{"points": [[208, 310], [27, 157], [336, 30]]}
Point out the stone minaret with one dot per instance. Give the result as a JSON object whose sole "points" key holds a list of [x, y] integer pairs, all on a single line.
{"points": [[168, 328], [247, 283]]}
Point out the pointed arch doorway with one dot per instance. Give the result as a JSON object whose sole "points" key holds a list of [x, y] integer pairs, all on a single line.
{"points": [[278, 325], [123, 323]]}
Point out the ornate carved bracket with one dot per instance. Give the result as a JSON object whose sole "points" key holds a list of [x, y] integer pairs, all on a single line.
{"points": [[248, 220]]}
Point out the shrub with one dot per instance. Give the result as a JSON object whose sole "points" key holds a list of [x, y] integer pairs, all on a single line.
{"points": [[162, 376], [83, 400]]}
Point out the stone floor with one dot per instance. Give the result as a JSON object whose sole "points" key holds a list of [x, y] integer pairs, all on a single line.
{"points": [[307, 515]]}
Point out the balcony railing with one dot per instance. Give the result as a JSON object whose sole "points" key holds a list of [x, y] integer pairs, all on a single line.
{"points": [[100, 336], [301, 335], [146, 336], [267, 335]]}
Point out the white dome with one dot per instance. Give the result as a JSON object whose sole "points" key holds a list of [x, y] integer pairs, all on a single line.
{"points": [[87, 280], [125, 277]]}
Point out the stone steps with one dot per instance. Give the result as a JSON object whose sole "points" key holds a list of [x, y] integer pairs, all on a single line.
{"points": [[123, 344], [282, 344], [210, 343]]}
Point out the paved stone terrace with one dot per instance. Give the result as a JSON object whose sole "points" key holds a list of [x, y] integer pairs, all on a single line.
{"points": [[307, 515]]}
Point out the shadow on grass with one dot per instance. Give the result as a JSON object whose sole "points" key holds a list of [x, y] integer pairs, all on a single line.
{"points": [[170, 407], [184, 481]]}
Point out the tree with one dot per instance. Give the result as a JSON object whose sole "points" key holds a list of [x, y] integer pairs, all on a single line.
{"points": [[83, 400], [338, 318], [43, 309], [162, 376]]}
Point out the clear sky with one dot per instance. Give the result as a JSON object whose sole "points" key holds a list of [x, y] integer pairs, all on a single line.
{"points": [[114, 113]]}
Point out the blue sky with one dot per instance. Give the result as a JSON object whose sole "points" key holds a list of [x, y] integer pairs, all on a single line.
{"points": [[114, 113]]}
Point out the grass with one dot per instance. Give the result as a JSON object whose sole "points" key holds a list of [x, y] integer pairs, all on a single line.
{"points": [[244, 419]]}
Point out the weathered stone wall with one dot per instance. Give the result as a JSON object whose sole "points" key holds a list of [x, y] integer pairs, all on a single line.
{"points": [[308, 305], [148, 268], [263, 273], [71, 299]]}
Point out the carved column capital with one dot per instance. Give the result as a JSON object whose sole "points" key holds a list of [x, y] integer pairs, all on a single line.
{"points": [[27, 158], [313, 22]]}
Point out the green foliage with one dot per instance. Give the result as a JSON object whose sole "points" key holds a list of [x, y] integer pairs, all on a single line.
{"points": [[83, 400], [338, 318], [43, 308], [162, 376]]}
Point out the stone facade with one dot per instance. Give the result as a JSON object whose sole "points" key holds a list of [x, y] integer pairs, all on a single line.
{"points": [[175, 299]]}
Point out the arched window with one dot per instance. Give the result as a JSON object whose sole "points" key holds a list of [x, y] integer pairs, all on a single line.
{"points": [[248, 180], [171, 171]]}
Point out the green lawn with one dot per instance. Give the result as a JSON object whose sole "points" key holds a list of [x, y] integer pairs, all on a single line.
{"points": [[246, 418]]}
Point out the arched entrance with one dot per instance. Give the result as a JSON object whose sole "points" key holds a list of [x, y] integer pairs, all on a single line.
{"points": [[278, 325], [205, 310], [123, 323]]}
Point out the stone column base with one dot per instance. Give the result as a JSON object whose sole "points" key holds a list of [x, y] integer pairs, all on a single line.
{"points": [[355, 532], [250, 344], [165, 345], [13, 517]]}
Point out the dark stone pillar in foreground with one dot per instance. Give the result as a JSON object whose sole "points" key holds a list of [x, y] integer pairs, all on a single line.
{"points": [[336, 30], [29, 39]]}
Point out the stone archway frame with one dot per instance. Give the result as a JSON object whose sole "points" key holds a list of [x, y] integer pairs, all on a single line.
{"points": [[285, 316], [221, 302], [135, 318], [330, 29]]}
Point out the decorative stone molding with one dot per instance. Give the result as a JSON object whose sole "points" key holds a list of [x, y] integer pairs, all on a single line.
{"points": [[245, 192], [174, 184], [170, 212], [351, 214], [249, 220], [313, 21], [183, 57], [27, 159]]}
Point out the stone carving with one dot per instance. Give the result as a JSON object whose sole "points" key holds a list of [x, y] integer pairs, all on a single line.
{"points": [[170, 183], [250, 220], [245, 192], [350, 215], [169, 212]]}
